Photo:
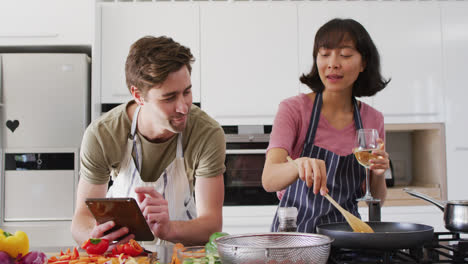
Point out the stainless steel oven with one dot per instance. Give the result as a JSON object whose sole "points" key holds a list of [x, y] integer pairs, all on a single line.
{"points": [[245, 158]]}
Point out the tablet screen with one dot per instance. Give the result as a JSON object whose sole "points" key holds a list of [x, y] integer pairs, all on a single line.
{"points": [[124, 212]]}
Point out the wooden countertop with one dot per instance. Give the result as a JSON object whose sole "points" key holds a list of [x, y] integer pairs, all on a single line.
{"points": [[397, 197]]}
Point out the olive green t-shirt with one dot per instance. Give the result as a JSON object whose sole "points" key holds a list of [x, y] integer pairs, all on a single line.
{"points": [[104, 144]]}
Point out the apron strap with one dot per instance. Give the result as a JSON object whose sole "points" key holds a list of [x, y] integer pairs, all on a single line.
{"points": [[357, 115], [134, 122], [135, 150], [314, 118], [180, 151]]}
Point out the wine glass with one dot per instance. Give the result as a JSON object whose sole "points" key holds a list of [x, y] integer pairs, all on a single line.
{"points": [[365, 143]]}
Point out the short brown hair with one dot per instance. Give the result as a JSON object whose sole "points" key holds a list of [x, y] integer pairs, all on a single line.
{"points": [[151, 59]]}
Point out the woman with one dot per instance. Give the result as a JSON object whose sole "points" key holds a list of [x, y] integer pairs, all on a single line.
{"points": [[318, 129]]}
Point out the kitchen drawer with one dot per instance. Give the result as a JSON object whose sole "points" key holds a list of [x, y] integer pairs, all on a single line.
{"points": [[39, 195]]}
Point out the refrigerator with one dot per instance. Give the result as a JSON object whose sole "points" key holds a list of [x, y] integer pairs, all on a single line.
{"points": [[44, 111]]}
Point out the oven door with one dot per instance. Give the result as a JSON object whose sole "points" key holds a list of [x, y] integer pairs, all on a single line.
{"points": [[243, 176]]}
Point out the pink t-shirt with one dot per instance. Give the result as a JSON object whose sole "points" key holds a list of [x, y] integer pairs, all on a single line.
{"points": [[292, 122]]}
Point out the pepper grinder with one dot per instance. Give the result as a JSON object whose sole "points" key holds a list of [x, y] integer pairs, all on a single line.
{"points": [[287, 217]]}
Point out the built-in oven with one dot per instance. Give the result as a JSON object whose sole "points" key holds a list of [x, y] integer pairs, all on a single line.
{"points": [[245, 158]]}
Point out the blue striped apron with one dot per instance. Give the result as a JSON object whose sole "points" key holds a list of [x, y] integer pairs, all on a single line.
{"points": [[344, 179]]}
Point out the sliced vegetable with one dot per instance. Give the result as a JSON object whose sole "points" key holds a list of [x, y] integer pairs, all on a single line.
{"points": [[205, 260], [132, 248], [15, 244], [68, 257], [117, 250], [211, 247], [5, 258], [175, 259], [33, 257], [215, 235], [95, 246]]}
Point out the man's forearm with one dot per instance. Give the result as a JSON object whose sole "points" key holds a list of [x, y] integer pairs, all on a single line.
{"points": [[194, 232], [81, 227]]}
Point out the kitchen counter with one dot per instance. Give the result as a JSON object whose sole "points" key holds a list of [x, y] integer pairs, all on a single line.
{"points": [[164, 252]]}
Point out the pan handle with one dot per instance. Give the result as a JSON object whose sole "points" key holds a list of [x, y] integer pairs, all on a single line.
{"points": [[437, 203]]}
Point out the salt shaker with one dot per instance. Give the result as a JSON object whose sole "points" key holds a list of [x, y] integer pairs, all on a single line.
{"points": [[287, 219]]}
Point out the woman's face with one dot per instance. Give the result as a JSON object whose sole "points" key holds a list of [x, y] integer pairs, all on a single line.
{"points": [[339, 67]]}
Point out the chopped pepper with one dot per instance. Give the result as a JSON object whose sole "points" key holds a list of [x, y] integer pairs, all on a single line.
{"points": [[132, 248], [14, 244], [117, 250], [95, 246]]}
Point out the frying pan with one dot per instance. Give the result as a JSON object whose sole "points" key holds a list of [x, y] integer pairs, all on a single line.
{"points": [[455, 212], [388, 235]]}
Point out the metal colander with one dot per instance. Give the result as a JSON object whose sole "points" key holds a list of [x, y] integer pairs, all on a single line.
{"points": [[262, 248]]}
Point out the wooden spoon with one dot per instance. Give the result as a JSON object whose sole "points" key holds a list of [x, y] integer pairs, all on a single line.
{"points": [[356, 224]]}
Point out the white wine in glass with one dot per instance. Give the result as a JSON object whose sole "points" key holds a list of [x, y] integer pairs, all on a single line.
{"points": [[364, 156], [365, 144]]}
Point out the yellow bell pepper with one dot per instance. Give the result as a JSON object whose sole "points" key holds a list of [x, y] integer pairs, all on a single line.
{"points": [[14, 244]]}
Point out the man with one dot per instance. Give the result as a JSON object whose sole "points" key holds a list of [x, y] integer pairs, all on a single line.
{"points": [[154, 147]]}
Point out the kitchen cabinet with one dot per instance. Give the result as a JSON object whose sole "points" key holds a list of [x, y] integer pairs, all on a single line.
{"points": [[426, 215], [413, 63], [455, 41], [415, 92], [120, 25], [44, 234], [249, 60], [250, 54], [46, 22], [248, 219]]}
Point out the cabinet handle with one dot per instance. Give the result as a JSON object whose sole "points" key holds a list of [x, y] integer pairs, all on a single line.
{"points": [[461, 148], [44, 35], [245, 151]]}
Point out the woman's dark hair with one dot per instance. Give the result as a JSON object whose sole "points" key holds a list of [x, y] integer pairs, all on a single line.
{"points": [[330, 36]]}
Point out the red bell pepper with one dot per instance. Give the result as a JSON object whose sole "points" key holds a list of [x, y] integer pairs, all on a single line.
{"points": [[95, 246], [75, 253], [117, 250], [132, 248]]}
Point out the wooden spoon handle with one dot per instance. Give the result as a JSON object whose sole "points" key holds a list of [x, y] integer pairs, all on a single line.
{"points": [[337, 205]]}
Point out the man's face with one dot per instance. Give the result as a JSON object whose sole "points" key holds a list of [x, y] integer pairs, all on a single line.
{"points": [[168, 105]]}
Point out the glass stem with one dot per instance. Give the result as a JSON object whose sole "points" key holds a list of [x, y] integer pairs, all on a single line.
{"points": [[368, 193]]}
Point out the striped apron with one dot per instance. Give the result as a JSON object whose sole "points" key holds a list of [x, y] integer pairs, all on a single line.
{"points": [[344, 179]]}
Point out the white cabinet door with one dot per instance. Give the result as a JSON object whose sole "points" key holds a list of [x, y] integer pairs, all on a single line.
{"points": [[49, 195], [426, 215], [455, 43], [408, 37], [249, 60], [46, 22], [248, 219], [121, 24], [46, 97], [313, 15]]}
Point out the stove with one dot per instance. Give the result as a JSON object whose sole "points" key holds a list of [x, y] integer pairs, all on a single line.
{"points": [[445, 247]]}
